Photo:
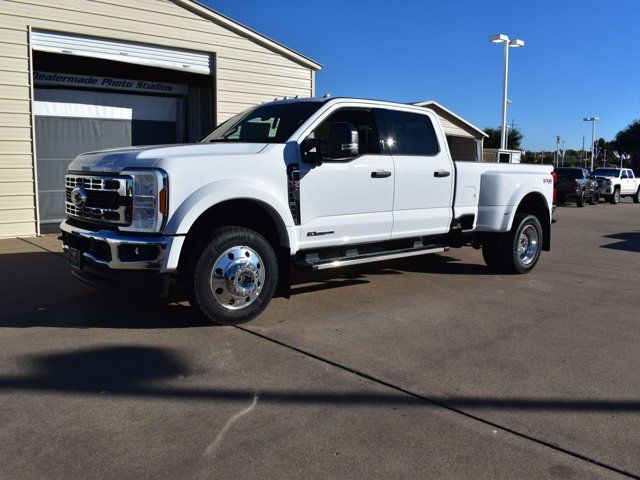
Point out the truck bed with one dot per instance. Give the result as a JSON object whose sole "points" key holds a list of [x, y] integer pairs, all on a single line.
{"points": [[485, 189]]}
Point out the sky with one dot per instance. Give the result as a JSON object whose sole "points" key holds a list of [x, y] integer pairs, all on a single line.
{"points": [[581, 58]]}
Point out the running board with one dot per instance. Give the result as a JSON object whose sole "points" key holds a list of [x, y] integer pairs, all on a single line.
{"points": [[370, 257]]}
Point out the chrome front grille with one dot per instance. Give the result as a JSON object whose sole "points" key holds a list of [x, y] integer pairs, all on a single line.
{"points": [[107, 199]]}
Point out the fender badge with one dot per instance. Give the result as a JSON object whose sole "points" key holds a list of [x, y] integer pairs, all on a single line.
{"points": [[319, 234]]}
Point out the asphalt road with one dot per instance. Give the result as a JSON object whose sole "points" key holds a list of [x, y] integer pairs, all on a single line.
{"points": [[429, 368]]}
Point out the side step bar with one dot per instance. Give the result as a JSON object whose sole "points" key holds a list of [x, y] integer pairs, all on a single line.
{"points": [[323, 264]]}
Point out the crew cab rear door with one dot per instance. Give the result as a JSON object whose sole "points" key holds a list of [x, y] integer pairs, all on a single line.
{"points": [[628, 183], [347, 201], [424, 174]]}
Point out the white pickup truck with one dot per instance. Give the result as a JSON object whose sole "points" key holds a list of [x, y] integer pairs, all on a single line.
{"points": [[310, 183], [615, 183]]}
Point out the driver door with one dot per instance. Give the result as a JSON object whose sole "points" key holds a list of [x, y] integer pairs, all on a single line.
{"points": [[350, 200]]}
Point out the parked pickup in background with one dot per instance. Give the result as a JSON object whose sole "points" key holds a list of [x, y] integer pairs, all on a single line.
{"points": [[309, 183], [615, 183], [577, 185]]}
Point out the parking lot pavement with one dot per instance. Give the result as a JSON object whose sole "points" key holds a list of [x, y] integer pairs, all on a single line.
{"points": [[426, 368]]}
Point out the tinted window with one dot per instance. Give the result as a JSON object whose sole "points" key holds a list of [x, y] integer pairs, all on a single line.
{"points": [[607, 172], [570, 173], [630, 173], [272, 123], [624, 174], [412, 133], [362, 119]]}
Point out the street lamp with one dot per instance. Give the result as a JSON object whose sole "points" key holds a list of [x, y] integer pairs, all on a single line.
{"points": [[593, 121], [500, 38]]}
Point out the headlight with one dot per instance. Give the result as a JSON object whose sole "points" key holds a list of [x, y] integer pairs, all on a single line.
{"points": [[149, 196]]}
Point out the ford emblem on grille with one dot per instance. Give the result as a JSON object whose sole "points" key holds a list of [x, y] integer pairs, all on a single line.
{"points": [[78, 197]]}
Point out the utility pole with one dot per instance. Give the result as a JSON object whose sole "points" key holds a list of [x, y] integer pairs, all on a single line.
{"points": [[582, 162], [563, 151], [557, 154]]}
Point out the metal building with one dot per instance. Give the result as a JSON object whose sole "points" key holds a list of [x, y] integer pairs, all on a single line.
{"points": [[80, 75]]}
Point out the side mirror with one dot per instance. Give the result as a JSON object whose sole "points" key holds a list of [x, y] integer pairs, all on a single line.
{"points": [[342, 142]]}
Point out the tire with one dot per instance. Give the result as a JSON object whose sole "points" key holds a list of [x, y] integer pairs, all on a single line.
{"points": [[233, 277], [615, 198], [491, 252], [636, 196], [514, 258], [595, 198], [581, 199]]}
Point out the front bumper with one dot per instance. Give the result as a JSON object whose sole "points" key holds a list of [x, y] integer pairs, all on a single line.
{"points": [[123, 263], [116, 251]]}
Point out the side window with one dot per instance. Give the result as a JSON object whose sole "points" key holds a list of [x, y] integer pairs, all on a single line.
{"points": [[362, 119], [624, 174], [411, 133], [630, 174]]}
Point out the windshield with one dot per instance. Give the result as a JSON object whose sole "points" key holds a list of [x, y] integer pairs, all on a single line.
{"points": [[606, 172], [273, 123]]}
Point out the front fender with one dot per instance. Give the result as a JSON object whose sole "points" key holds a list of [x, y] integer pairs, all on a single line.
{"points": [[219, 191]]}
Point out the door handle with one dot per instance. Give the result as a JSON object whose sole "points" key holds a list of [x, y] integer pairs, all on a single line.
{"points": [[380, 174], [441, 173]]}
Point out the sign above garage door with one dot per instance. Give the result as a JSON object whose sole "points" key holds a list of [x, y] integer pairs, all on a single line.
{"points": [[138, 53], [107, 83]]}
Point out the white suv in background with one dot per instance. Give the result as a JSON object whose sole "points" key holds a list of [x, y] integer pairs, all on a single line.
{"points": [[614, 183]]}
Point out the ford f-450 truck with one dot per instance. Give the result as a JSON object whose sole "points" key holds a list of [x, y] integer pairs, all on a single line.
{"points": [[305, 183]]}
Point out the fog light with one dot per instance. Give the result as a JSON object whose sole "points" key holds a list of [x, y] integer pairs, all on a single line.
{"points": [[138, 253]]}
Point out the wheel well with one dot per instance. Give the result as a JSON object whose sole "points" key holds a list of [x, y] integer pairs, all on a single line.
{"points": [[535, 204], [242, 213]]}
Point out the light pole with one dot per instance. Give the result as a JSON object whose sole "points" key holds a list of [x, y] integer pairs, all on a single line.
{"points": [[593, 121], [500, 38]]}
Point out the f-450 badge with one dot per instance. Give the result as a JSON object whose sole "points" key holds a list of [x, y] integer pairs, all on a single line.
{"points": [[320, 234]]}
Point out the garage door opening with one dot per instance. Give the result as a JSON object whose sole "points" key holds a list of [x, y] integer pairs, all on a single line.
{"points": [[84, 104]]}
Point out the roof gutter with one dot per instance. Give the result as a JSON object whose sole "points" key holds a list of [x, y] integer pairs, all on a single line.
{"points": [[247, 32]]}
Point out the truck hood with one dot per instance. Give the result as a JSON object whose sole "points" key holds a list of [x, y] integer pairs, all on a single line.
{"points": [[117, 159]]}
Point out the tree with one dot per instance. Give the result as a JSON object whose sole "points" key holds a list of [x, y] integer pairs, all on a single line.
{"points": [[493, 141], [627, 140]]}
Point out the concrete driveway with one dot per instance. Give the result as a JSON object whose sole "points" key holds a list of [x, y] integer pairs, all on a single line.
{"points": [[430, 368]]}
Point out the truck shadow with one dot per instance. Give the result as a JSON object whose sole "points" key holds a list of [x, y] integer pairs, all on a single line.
{"points": [[628, 241], [306, 282], [36, 290], [140, 371]]}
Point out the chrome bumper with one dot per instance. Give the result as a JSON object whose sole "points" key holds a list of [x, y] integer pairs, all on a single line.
{"points": [[114, 241]]}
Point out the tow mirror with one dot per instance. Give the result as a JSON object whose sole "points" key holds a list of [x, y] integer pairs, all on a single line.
{"points": [[342, 142]]}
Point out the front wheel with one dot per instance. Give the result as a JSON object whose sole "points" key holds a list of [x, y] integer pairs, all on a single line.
{"points": [[595, 198], [581, 199], [235, 276], [522, 245], [615, 198]]}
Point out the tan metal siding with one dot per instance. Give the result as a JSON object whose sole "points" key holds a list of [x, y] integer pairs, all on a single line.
{"points": [[17, 203], [247, 73]]}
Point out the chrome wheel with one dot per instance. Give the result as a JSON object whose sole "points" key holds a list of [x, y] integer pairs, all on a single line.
{"points": [[528, 245], [237, 277]]}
